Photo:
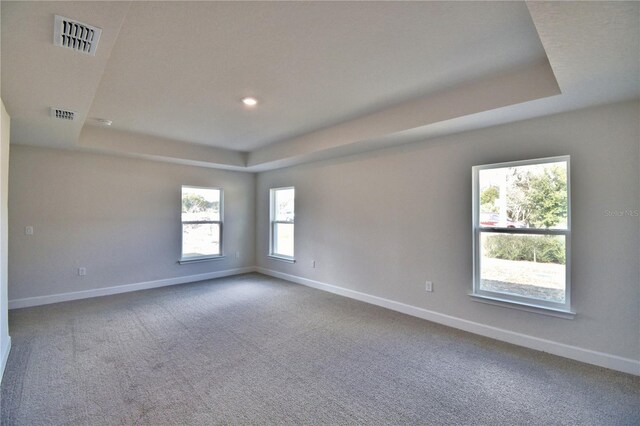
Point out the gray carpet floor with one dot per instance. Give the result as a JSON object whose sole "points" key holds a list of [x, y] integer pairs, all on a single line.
{"points": [[252, 349]]}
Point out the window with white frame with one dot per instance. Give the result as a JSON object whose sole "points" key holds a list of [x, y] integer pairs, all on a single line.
{"points": [[282, 206], [201, 223], [522, 232]]}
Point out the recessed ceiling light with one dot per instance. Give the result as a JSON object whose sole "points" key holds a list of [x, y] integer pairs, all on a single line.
{"points": [[250, 101]]}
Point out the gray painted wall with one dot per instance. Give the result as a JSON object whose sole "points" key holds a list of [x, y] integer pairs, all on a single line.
{"points": [[118, 217], [4, 192], [382, 223]]}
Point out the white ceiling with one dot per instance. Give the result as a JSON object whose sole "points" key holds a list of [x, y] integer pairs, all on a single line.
{"points": [[179, 70], [332, 77]]}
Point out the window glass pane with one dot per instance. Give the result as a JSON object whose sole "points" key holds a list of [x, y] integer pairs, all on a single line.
{"points": [[202, 239], [531, 266], [200, 204], [284, 207], [531, 196], [283, 239]]}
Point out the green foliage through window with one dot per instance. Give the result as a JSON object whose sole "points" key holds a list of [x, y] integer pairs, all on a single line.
{"points": [[532, 248], [193, 203], [488, 199], [538, 199]]}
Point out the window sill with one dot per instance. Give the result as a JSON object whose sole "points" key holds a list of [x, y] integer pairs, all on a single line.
{"points": [[199, 259], [281, 258], [523, 306]]}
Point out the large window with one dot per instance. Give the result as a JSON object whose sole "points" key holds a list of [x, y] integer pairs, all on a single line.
{"points": [[521, 233], [201, 223], [282, 201]]}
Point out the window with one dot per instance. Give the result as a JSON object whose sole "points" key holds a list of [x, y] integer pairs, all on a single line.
{"points": [[282, 201], [201, 223], [521, 233]]}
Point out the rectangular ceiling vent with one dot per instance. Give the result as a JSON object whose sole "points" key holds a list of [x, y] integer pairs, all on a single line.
{"points": [[62, 114], [75, 35]]}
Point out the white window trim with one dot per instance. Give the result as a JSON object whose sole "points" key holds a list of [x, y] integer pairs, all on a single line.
{"points": [[282, 258], [272, 254], [194, 259], [518, 302]]}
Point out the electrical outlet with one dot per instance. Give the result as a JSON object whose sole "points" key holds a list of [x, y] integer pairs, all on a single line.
{"points": [[82, 271], [428, 286], [28, 230]]}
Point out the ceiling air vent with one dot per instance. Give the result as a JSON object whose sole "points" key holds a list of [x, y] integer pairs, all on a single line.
{"points": [[62, 114], [75, 35]]}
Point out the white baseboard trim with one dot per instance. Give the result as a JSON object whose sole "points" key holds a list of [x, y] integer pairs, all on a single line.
{"points": [[601, 359], [105, 291], [4, 356]]}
